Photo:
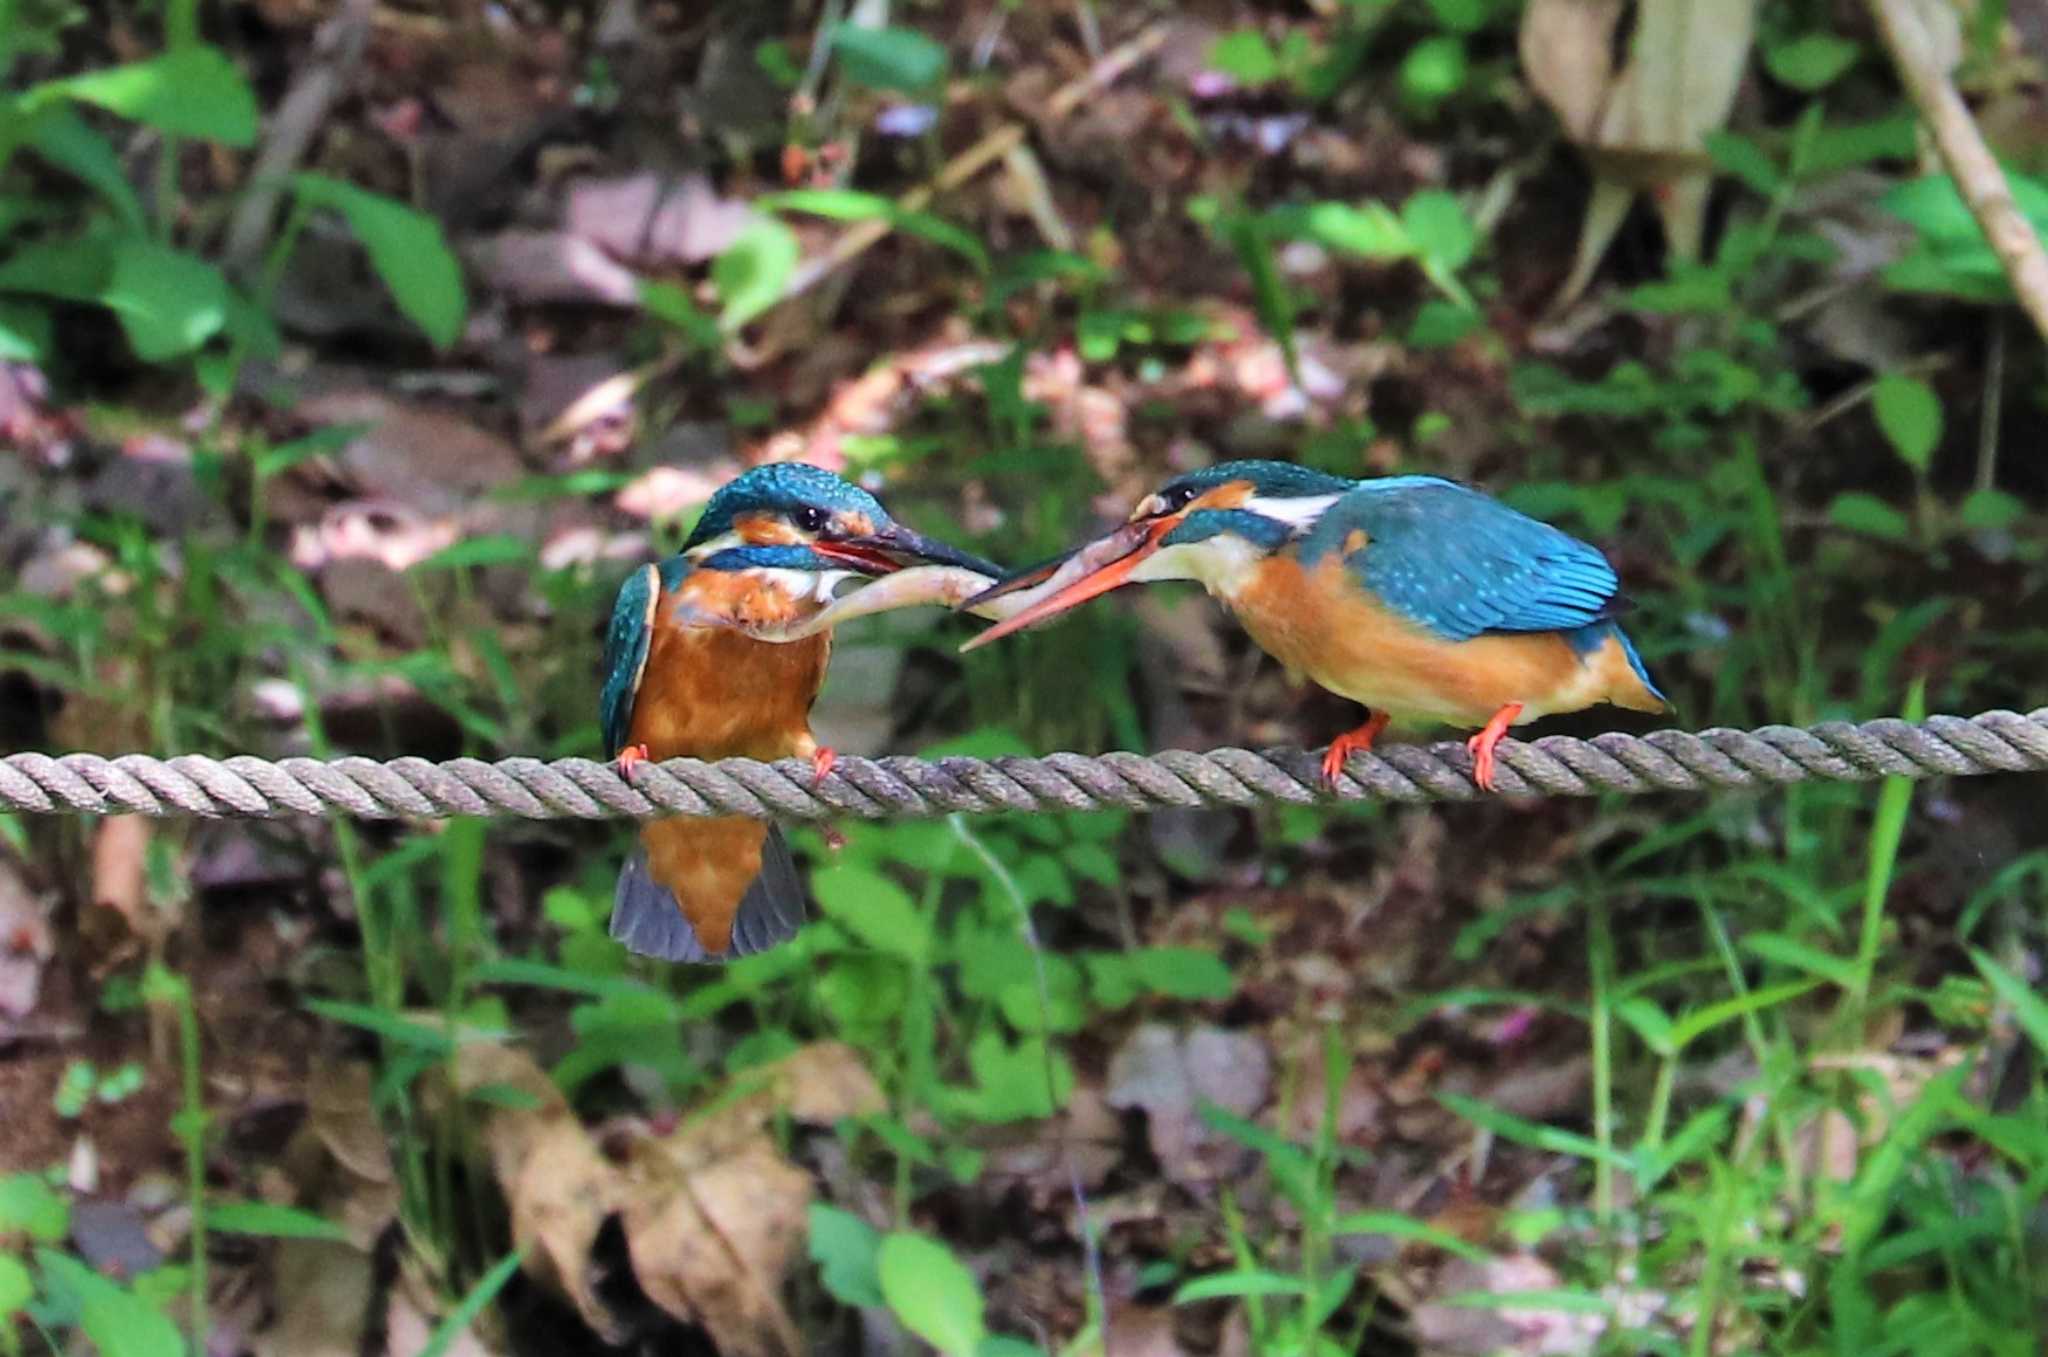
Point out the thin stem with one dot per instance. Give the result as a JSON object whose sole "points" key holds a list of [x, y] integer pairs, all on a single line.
{"points": [[1600, 947]]}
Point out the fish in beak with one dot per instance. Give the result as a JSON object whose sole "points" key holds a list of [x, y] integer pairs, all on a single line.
{"points": [[1067, 581], [892, 546]]}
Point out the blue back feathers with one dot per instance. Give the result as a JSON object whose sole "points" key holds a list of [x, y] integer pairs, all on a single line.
{"points": [[779, 487], [1461, 563]]}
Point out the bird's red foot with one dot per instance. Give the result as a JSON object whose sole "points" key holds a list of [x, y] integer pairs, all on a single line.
{"points": [[1351, 742], [821, 764], [631, 757], [1482, 744]]}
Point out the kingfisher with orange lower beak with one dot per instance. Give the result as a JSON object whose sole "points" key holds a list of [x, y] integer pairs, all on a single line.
{"points": [[688, 673], [1415, 596]]}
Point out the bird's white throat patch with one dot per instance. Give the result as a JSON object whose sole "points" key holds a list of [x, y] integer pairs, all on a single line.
{"points": [[1223, 565]]}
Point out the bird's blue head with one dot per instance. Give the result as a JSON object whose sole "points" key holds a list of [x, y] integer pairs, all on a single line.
{"points": [[794, 516], [1215, 525]]}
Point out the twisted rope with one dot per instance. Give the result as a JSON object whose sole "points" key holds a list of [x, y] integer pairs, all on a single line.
{"points": [[887, 788]]}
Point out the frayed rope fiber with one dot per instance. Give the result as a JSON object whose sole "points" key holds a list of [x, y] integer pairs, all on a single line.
{"points": [[890, 788]]}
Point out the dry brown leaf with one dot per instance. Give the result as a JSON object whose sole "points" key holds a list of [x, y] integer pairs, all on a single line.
{"points": [[1643, 126], [322, 1293], [119, 849], [1168, 1074], [26, 945], [710, 1246]]}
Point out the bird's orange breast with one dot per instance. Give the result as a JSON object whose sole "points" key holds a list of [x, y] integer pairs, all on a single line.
{"points": [[1322, 623], [714, 692]]}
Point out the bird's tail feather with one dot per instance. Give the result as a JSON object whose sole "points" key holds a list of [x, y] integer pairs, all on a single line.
{"points": [[649, 920]]}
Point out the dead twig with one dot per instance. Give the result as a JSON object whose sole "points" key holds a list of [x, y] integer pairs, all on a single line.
{"points": [[1977, 173]]}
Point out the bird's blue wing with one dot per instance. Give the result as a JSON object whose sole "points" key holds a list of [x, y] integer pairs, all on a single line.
{"points": [[1461, 563], [626, 644]]}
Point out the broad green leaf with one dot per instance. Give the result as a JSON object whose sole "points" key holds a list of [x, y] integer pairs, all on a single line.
{"points": [[25, 333], [1246, 57], [874, 909], [30, 1206], [1183, 972], [189, 92], [114, 1319], [1909, 414], [1811, 61], [1990, 510], [1648, 1021], [1434, 69], [900, 59], [61, 137], [753, 271], [495, 549], [1861, 512], [1747, 161], [837, 204], [1436, 222], [406, 248], [932, 1292], [1461, 16], [670, 304], [1371, 231], [1397, 1226], [1062, 1009], [168, 302], [846, 1250], [271, 1221], [17, 1288], [1249, 1282]]}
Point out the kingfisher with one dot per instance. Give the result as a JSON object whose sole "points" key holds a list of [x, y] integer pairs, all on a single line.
{"points": [[1415, 596], [689, 672]]}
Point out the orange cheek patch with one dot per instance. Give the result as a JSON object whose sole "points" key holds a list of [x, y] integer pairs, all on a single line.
{"points": [[1229, 495], [764, 530]]}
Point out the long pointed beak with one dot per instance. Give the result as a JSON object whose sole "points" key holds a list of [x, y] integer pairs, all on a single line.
{"points": [[891, 548], [1125, 549]]}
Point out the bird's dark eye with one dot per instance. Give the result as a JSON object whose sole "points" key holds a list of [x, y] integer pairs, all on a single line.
{"points": [[1179, 497], [810, 518]]}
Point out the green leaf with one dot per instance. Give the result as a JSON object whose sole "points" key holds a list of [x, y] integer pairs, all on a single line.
{"points": [[406, 248], [1648, 1021], [1436, 222], [17, 1288], [1861, 512], [2028, 1008], [1811, 61], [114, 1319], [1440, 324], [932, 1292], [874, 909], [672, 306], [1991, 510], [30, 1206], [495, 549], [189, 92], [393, 1028], [1246, 57], [1461, 16], [846, 1250], [753, 271], [1397, 1226], [1909, 414], [271, 1221], [900, 59], [1246, 1282], [25, 333], [1183, 972], [1747, 161], [457, 1321], [1507, 1125], [1704, 1020], [1434, 70], [1561, 1301], [1372, 231], [168, 302], [1801, 956], [61, 137]]}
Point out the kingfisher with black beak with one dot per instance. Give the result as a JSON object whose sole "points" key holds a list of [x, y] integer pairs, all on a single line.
{"points": [[1414, 596], [690, 672]]}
